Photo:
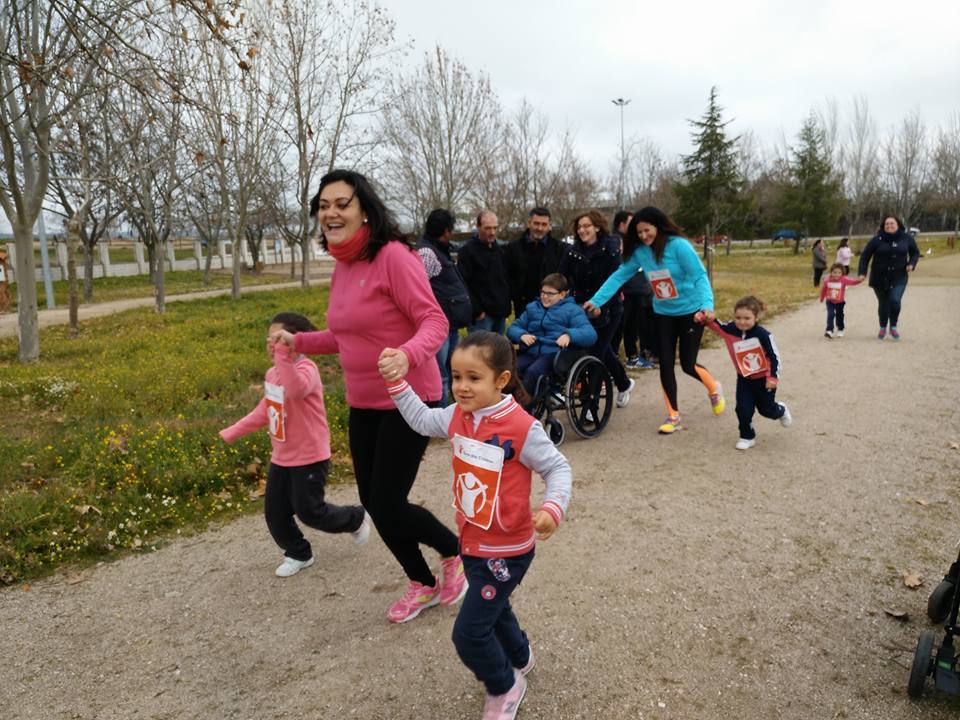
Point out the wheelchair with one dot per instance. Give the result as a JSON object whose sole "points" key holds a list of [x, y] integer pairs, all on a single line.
{"points": [[580, 384]]}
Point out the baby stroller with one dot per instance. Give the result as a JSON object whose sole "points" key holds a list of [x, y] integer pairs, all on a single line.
{"points": [[939, 662], [580, 384]]}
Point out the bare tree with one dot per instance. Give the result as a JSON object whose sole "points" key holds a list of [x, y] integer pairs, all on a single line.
{"points": [[233, 126], [330, 74], [861, 162], [643, 169], [946, 169], [440, 122], [906, 165]]}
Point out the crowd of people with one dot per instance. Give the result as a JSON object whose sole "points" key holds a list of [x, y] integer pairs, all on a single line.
{"points": [[395, 315]]}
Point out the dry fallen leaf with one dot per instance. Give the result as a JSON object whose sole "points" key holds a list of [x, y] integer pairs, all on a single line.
{"points": [[74, 579], [897, 614], [84, 509], [954, 446], [260, 490], [912, 581], [224, 495], [920, 501]]}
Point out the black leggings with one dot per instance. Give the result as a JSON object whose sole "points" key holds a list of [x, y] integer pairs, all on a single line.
{"points": [[386, 456], [606, 352], [682, 330]]}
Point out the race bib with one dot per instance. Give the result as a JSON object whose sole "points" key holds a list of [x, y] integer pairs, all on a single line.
{"points": [[750, 357], [662, 283], [834, 290], [276, 424], [476, 479]]}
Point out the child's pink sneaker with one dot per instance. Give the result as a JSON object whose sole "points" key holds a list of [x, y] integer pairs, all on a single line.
{"points": [[417, 597], [504, 707], [453, 582]]}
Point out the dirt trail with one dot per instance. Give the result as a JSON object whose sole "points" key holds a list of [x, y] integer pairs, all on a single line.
{"points": [[690, 580]]}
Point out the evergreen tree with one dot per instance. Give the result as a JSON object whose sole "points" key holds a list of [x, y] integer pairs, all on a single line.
{"points": [[812, 197], [710, 193]]}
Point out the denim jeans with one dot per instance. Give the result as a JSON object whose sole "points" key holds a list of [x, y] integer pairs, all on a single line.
{"points": [[835, 310], [888, 304], [443, 361], [497, 325], [486, 634]]}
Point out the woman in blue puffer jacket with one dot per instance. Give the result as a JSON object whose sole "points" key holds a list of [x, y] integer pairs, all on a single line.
{"points": [[546, 326]]}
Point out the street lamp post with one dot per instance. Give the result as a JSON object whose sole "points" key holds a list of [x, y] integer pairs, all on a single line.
{"points": [[621, 103]]}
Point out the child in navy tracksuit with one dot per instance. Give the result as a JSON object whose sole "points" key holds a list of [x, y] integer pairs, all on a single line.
{"points": [[496, 448], [757, 360], [833, 291]]}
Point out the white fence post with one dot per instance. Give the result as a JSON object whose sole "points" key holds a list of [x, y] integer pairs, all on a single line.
{"points": [[198, 253], [138, 256], [171, 256], [104, 249]]}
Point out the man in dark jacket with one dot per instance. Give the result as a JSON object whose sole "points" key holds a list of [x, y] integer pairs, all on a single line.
{"points": [[447, 285], [482, 268], [531, 257]]}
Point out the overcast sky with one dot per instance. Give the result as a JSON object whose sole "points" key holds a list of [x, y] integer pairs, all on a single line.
{"points": [[771, 60]]}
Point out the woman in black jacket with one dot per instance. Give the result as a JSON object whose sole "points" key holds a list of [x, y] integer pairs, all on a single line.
{"points": [[595, 255], [895, 254]]}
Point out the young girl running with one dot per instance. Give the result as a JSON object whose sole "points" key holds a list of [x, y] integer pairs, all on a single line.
{"points": [[293, 412], [757, 359], [833, 291], [496, 447]]}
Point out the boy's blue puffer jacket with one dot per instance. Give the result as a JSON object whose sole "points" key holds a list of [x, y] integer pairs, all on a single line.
{"points": [[547, 324]]}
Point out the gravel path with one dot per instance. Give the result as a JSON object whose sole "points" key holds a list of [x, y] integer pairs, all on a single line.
{"points": [[690, 580]]}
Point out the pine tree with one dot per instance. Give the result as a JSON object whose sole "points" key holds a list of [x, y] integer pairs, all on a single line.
{"points": [[711, 191], [812, 198]]}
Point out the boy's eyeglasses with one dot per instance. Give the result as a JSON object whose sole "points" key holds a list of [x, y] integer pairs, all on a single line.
{"points": [[549, 293]]}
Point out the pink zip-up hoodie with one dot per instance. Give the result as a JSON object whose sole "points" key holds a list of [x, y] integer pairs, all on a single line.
{"points": [[375, 305], [306, 435]]}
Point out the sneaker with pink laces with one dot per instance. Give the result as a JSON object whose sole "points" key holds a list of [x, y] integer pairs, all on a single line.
{"points": [[504, 707], [417, 597], [453, 581]]}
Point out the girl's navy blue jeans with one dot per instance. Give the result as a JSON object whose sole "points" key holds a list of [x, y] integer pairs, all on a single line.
{"points": [[487, 635]]}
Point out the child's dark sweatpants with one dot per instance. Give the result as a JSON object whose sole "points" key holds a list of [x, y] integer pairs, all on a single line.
{"points": [[486, 633], [300, 491], [752, 394]]}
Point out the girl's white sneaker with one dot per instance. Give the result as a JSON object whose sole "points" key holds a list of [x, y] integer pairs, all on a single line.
{"points": [[744, 444], [289, 566]]}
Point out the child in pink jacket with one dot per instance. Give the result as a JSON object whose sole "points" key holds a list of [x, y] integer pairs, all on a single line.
{"points": [[293, 412], [833, 291]]}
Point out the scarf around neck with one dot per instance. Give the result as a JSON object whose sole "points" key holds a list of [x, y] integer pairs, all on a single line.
{"points": [[352, 249]]}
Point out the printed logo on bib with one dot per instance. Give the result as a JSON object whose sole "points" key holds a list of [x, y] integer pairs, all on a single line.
{"points": [[476, 479], [750, 357], [276, 418], [662, 283], [834, 290]]}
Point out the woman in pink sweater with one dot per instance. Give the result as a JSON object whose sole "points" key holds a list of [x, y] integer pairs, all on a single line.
{"points": [[380, 298], [293, 412]]}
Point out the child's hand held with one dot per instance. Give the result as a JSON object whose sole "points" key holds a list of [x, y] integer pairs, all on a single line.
{"points": [[392, 364]]}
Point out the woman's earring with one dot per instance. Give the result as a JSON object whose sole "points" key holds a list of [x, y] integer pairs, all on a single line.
{"points": [[364, 219]]}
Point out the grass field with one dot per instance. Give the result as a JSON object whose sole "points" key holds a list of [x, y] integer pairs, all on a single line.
{"points": [[110, 440]]}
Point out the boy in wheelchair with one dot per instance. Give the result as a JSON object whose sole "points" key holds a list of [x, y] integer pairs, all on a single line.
{"points": [[546, 326]]}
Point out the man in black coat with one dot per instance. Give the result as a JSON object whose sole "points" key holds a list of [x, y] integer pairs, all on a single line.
{"points": [[447, 285], [482, 267], [531, 257]]}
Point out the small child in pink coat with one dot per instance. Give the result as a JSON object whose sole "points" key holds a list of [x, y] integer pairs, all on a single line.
{"points": [[833, 290], [293, 412]]}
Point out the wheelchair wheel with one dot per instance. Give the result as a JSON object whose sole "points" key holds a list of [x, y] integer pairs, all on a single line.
{"points": [[555, 431], [589, 395], [938, 604], [922, 665]]}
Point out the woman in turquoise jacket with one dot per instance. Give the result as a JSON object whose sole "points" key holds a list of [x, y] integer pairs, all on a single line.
{"points": [[681, 288]]}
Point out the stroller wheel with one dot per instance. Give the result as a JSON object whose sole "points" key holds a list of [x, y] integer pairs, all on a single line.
{"points": [[938, 606], [555, 431], [922, 665]]}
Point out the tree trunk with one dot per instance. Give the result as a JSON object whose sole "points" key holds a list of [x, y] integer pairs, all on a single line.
{"points": [[73, 239], [293, 264], [87, 272], [306, 244], [152, 261], [207, 262], [161, 305], [236, 255], [27, 320]]}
